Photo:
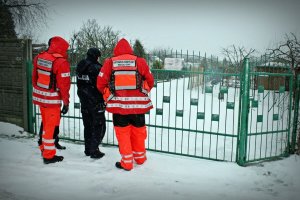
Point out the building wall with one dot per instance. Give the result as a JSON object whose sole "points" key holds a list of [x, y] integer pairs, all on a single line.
{"points": [[272, 82]]}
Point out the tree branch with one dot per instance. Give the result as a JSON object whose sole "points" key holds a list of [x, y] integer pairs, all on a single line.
{"points": [[23, 5]]}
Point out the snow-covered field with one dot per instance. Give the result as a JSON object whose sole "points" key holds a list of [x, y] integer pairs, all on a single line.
{"points": [[23, 176]]}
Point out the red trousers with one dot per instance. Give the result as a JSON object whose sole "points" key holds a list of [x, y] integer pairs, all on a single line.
{"points": [[131, 141], [50, 118]]}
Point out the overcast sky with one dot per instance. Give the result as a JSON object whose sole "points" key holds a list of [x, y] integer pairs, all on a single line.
{"points": [[200, 25]]}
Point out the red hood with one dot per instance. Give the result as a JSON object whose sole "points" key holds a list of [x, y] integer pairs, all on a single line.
{"points": [[58, 45], [123, 47]]}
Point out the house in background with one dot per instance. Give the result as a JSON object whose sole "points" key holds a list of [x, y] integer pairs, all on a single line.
{"points": [[272, 81], [174, 63]]}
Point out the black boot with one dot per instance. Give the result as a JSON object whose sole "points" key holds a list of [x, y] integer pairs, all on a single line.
{"points": [[119, 166], [58, 146], [87, 153], [53, 160], [97, 154]]}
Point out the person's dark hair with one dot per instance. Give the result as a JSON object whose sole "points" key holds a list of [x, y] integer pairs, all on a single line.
{"points": [[93, 53]]}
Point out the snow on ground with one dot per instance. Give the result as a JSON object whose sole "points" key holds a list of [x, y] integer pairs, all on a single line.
{"points": [[24, 176]]}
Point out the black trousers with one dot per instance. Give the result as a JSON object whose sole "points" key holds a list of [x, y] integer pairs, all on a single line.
{"points": [[94, 127], [55, 135], [137, 120]]}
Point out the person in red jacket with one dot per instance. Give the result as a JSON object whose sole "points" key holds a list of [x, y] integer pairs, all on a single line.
{"points": [[125, 81], [51, 84]]}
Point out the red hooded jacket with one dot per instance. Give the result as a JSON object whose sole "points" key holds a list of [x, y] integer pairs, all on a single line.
{"points": [[56, 55], [126, 101]]}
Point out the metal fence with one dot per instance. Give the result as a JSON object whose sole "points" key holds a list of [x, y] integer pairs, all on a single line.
{"points": [[270, 112], [200, 111]]}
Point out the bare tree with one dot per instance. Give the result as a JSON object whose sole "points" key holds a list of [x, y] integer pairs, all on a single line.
{"points": [[27, 14], [235, 55], [7, 25], [288, 52], [91, 34]]}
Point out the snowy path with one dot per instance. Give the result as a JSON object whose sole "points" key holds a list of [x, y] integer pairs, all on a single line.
{"points": [[24, 176]]}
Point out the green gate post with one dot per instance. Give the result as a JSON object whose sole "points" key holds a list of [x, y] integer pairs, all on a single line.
{"points": [[243, 132], [29, 96], [296, 114]]}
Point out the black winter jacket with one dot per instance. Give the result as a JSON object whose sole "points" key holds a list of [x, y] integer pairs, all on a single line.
{"points": [[87, 71]]}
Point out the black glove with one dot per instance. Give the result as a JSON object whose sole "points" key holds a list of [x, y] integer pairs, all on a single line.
{"points": [[65, 109], [101, 108]]}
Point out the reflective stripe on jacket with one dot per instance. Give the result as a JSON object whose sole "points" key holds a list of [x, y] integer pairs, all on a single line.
{"points": [[124, 73], [126, 87], [48, 70], [123, 98], [45, 78]]}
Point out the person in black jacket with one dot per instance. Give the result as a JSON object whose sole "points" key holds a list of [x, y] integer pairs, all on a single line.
{"points": [[92, 103], [55, 136]]}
